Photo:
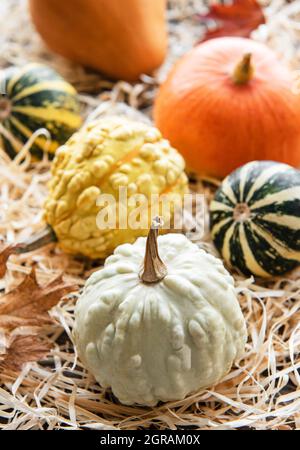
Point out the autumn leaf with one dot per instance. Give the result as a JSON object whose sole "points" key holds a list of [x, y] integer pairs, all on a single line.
{"points": [[29, 303], [4, 255], [26, 308], [23, 349], [238, 18]]}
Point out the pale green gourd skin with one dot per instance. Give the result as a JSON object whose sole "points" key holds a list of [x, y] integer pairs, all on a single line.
{"points": [[163, 341]]}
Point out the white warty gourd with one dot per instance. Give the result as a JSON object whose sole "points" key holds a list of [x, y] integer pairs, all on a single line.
{"points": [[156, 330]]}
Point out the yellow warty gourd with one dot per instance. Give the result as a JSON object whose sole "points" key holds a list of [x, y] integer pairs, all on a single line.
{"points": [[102, 157]]}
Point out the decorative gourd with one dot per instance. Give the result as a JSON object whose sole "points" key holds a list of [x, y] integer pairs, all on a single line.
{"points": [[35, 96], [227, 102], [122, 41], [106, 155], [255, 218], [163, 331]]}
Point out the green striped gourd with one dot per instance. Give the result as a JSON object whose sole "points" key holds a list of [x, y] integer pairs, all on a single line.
{"points": [[35, 97], [255, 218]]}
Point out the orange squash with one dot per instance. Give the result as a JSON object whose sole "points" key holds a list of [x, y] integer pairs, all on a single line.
{"points": [[122, 39], [227, 102]]}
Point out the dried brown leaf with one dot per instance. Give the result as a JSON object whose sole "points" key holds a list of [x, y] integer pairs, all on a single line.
{"points": [[27, 306], [4, 255], [238, 18], [23, 349], [29, 303]]}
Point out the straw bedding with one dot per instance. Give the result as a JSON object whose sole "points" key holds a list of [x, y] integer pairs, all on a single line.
{"points": [[262, 390]]}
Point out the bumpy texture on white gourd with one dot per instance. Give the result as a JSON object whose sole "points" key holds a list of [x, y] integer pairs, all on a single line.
{"points": [[165, 340]]}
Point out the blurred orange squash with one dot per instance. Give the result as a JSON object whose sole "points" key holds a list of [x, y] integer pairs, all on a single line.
{"points": [[229, 101], [122, 39]]}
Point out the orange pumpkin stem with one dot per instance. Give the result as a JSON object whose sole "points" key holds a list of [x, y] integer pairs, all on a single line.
{"points": [[154, 269], [244, 71]]}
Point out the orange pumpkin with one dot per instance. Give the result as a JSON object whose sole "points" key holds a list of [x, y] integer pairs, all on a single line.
{"points": [[227, 102], [122, 39]]}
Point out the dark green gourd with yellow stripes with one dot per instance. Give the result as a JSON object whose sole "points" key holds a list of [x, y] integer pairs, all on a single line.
{"points": [[255, 219], [35, 97]]}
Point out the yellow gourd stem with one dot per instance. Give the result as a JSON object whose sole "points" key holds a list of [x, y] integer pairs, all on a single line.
{"points": [[38, 240], [154, 269], [244, 70]]}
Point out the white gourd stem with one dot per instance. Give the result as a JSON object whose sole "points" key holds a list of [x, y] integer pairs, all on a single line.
{"points": [[244, 71], [154, 269]]}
